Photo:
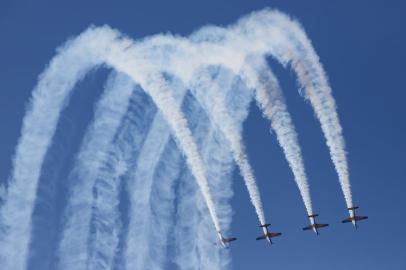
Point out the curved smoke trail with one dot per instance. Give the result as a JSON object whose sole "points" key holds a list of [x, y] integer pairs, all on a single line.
{"points": [[157, 87], [140, 185], [92, 155], [264, 33], [193, 238], [38, 128], [124, 150], [85, 52], [269, 98], [301, 55], [215, 103]]}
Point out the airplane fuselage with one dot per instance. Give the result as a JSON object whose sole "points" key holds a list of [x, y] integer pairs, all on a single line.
{"points": [[352, 216], [222, 242], [266, 232], [313, 223], [225, 242]]}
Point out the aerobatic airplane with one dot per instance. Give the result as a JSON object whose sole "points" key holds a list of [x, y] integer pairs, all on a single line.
{"points": [[267, 235], [354, 218], [224, 242], [314, 225]]}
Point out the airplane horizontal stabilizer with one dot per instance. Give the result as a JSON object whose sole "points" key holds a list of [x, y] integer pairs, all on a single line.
{"points": [[265, 225]]}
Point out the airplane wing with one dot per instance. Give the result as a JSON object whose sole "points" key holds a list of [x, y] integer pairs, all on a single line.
{"points": [[230, 239], [360, 217], [274, 234], [346, 220], [321, 225], [261, 237], [308, 228]]}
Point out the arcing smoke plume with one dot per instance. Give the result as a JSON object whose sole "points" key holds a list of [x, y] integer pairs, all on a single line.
{"points": [[93, 153], [149, 63], [269, 97], [140, 190], [39, 126], [313, 79], [220, 115]]}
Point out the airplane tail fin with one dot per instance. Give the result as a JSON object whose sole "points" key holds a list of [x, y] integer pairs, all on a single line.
{"points": [[313, 215], [353, 208]]}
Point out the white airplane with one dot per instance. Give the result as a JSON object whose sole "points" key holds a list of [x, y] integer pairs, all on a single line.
{"points": [[314, 225], [225, 242], [353, 217], [267, 235]]}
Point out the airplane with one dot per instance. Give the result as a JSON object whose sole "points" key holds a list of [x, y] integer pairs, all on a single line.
{"points": [[314, 225], [267, 235], [354, 218], [224, 242]]}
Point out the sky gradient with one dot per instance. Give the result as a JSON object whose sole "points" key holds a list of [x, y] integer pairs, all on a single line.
{"points": [[361, 46]]}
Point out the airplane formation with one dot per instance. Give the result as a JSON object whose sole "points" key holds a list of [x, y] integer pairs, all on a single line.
{"points": [[353, 218]]}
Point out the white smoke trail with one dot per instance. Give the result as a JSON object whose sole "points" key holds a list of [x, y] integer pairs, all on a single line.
{"points": [[92, 155], [261, 33], [150, 218], [106, 224], [300, 53], [215, 104], [51, 94], [219, 162], [320, 95], [48, 99], [162, 207], [270, 32], [157, 87], [269, 97], [140, 231], [193, 238], [129, 140]]}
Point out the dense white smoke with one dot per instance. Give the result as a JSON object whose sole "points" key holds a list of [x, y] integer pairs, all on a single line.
{"points": [[269, 98], [140, 191], [213, 98], [152, 64], [295, 48], [92, 155], [106, 222]]}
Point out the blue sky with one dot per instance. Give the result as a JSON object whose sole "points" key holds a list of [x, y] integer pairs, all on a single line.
{"points": [[360, 43]]}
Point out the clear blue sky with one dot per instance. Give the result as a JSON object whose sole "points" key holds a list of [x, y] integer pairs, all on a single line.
{"points": [[362, 46]]}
